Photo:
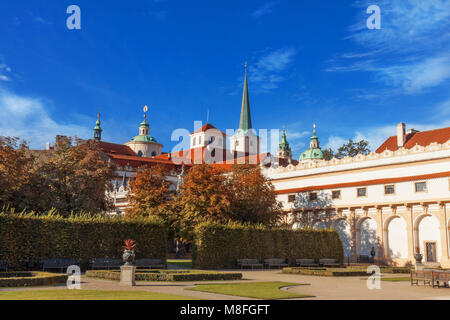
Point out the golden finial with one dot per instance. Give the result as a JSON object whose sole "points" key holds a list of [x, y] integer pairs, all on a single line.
{"points": [[145, 111], [246, 65]]}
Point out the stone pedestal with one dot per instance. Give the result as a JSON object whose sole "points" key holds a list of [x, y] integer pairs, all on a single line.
{"points": [[127, 275], [419, 266]]}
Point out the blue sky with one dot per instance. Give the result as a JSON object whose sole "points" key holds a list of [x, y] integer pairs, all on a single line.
{"points": [[309, 62]]}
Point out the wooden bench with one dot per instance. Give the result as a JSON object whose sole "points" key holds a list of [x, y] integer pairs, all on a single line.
{"points": [[105, 263], [329, 263], [150, 263], [306, 263], [252, 263], [426, 276], [279, 263], [3, 265], [59, 264], [440, 278]]}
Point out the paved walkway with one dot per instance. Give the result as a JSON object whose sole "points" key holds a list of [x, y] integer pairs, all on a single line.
{"points": [[323, 288]]}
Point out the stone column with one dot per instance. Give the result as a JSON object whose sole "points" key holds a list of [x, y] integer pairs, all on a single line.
{"points": [[128, 276], [410, 231], [353, 226], [444, 234], [380, 232]]}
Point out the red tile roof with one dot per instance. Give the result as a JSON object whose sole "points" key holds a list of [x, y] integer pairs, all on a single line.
{"points": [[137, 162], [207, 127], [423, 138], [114, 148]]}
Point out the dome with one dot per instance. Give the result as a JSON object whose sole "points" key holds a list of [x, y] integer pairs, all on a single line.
{"points": [[144, 138], [312, 154]]}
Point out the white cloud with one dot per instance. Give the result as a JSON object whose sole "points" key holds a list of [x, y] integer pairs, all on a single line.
{"points": [[29, 119], [4, 69], [267, 71], [264, 10], [414, 77], [410, 52]]}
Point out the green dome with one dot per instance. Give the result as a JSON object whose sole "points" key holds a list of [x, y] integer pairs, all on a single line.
{"points": [[312, 154], [145, 138]]}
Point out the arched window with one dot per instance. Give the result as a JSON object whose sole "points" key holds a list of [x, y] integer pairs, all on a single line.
{"points": [[154, 154], [140, 153], [193, 141]]}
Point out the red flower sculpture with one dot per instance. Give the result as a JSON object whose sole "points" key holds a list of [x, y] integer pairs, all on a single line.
{"points": [[129, 244]]}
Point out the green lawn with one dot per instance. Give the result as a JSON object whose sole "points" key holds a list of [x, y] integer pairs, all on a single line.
{"points": [[87, 295], [184, 263], [258, 290]]}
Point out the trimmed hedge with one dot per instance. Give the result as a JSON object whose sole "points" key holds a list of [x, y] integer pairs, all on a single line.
{"points": [[30, 237], [218, 246], [167, 275], [31, 279], [325, 272]]}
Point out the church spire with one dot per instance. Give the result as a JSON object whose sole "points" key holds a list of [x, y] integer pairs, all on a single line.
{"points": [[246, 120], [97, 129], [284, 150]]}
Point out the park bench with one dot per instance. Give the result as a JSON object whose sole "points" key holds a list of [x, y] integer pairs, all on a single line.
{"points": [[104, 263], [306, 263], [59, 264], [3, 265], [423, 275], [440, 278], [150, 263], [364, 259], [329, 263], [279, 263], [251, 263]]}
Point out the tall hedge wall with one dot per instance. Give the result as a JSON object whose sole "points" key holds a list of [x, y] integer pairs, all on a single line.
{"points": [[25, 237], [219, 246]]}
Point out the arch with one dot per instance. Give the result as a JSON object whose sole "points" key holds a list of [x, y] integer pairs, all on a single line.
{"points": [[366, 236], [428, 232], [319, 224], [396, 237], [343, 228]]}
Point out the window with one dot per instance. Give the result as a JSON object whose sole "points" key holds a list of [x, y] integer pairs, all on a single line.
{"points": [[193, 141], [199, 140], [312, 196], [390, 189], [361, 192], [140, 153], [154, 154], [421, 186], [291, 198], [336, 194]]}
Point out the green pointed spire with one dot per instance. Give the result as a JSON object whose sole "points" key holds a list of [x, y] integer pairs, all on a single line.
{"points": [[97, 129], [284, 144], [246, 120]]}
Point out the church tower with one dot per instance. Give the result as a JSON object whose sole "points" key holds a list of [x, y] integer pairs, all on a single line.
{"points": [[284, 150], [245, 139], [97, 129], [314, 152], [144, 144]]}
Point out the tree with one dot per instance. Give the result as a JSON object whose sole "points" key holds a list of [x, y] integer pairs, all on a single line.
{"points": [[151, 194], [328, 154], [204, 196], [15, 172], [351, 149], [73, 179], [253, 196]]}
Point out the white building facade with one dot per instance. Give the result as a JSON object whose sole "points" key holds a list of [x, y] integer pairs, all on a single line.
{"points": [[396, 200]]}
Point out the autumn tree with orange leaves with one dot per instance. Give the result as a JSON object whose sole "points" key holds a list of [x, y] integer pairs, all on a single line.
{"points": [[151, 194]]}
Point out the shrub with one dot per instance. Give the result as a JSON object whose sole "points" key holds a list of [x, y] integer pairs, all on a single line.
{"points": [[325, 272], [30, 279], [218, 246], [167, 275], [29, 237]]}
